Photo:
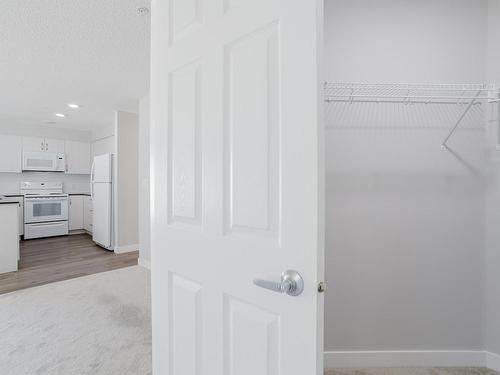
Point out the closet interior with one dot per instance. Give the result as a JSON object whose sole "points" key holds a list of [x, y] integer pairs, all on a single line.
{"points": [[411, 102]]}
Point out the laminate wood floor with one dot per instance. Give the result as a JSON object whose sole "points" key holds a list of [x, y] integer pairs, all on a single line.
{"points": [[47, 260]]}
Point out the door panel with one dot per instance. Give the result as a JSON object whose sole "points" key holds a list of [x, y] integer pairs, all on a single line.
{"points": [[252, 130], [248, 326], [237, 180], [185, 17], [185, 325], [185, 133]]}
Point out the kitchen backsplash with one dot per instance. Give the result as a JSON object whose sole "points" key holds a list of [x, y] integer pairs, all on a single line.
{"points": [[73, 183]]}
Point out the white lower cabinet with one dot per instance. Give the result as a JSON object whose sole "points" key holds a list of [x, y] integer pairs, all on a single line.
{"points": [[87, 213], [75, 212], [20, 210], [20, 216], [9, 249]]}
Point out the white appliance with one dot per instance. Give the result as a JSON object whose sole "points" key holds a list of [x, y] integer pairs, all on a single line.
{"points": [[44, 161], [101, 191], [45, 209]]}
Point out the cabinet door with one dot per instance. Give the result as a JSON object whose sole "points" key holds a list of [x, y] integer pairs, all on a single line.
{"points": [[75, 212], [10, 154], [54, 145], [77, 157], [87, 214], [33, 144]]}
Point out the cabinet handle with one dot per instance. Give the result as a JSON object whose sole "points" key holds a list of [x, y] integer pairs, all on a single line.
{"points": [[43, 148]]}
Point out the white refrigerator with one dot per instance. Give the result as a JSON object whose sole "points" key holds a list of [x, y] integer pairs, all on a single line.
{"points": [[101, 191]]}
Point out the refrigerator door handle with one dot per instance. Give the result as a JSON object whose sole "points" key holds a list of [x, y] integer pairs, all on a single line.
{"points": [[92, 180]]}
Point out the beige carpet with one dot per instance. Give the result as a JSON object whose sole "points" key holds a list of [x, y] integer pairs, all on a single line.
{"points": [[101, 325], [412, 371], [98, 324]]}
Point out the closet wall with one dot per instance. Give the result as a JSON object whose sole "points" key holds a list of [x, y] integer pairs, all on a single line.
{"points": [[492, 207], [405, 220]]}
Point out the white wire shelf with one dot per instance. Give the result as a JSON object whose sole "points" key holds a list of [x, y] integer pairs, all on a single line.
{"points": [[418, 97], [406, 93]]}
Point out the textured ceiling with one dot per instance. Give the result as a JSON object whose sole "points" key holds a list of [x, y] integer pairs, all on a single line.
{"points": [[53, 52]]}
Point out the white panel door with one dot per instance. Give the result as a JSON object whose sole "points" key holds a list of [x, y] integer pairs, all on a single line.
{"points": [[237, 186], [10, 154], [77, 157]]}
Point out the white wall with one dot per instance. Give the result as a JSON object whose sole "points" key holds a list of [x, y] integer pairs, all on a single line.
{"points": [[126, 181], [405, 220], [403, 41], [144, 211], [492, 260]]}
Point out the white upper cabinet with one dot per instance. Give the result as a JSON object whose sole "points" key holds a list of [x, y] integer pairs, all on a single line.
{"points": [[78, 157], [54, 145], [10, 154], [33, 144], [39, 144]]}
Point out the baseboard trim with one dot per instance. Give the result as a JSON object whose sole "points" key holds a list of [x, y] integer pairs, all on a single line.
{"points": [[77, 231], [126, 248], [144, 263], [493, 361], [418, 358]]}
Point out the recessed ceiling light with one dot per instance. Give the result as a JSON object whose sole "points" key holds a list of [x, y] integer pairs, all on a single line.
{"points": [[72, 105], [60, 115], [142, 11]]}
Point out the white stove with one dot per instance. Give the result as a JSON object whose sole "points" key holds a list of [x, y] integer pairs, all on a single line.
{"points": [[45, 209]]}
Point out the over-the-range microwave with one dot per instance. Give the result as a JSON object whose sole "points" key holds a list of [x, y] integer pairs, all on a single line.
{"points": [[44, 161]]}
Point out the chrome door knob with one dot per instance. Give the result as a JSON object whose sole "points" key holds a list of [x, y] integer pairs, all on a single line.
{"points": [[291, 283]]}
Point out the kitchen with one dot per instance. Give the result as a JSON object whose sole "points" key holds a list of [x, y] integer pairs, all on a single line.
{"points": [[66, 199], [74, 253]]}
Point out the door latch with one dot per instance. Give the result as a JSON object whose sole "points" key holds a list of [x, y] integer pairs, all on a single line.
{"points": [[321, 287]]}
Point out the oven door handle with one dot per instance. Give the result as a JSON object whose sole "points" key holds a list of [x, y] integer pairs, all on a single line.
{"points": [[41, 200]]}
